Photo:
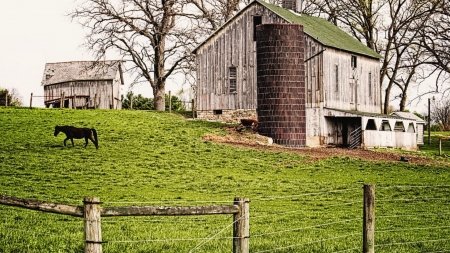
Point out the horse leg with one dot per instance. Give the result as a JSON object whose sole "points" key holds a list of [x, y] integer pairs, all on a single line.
{"points": [[86, 140], [65, 141]]}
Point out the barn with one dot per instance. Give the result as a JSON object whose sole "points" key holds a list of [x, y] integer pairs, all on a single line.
{"points": [[306, 81], [83, 84]]}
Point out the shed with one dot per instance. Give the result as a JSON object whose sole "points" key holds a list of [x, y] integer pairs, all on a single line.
{"points": [[85, 84], [419, 122]]}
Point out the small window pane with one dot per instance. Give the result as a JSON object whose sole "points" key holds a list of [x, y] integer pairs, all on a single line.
{"points": [[232, 85], [354, 63], [233, 76]]}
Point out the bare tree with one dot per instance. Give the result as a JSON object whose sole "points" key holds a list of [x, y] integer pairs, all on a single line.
{"points": [[441, 113], [149, 34], [214, 13], [436, 41], [403, 55]]}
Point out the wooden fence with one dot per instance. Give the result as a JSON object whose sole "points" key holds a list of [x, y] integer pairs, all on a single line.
{"points": [[92, 212]]}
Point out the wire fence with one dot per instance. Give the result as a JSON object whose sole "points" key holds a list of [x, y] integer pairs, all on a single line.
{"points": [[408, 219]]}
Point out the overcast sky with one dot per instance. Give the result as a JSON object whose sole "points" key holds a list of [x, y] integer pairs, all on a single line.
{"points": [[35, 32]]}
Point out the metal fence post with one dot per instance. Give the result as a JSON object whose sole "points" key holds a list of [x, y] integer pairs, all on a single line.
{"points": [[241, 229], [31, 101], [369, 219], [92, 225]]}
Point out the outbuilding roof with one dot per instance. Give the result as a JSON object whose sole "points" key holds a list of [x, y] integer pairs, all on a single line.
{"points": [[318, 28], [408, 115], [60, 72]]}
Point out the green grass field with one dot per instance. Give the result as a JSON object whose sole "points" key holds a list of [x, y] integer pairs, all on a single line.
{"points": [[159, 159]]}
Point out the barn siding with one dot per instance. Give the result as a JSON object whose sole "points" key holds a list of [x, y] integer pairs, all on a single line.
{"points": [[233, 46], [349, 97], [107, 91]]}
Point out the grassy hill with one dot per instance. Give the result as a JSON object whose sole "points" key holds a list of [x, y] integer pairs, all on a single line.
{"points": [[155, 158]]}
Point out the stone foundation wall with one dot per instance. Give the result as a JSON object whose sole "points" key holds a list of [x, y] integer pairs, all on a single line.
{"points": [[228, 116]]}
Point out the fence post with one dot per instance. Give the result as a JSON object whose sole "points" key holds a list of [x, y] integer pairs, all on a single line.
{"points": [[440, 146], [92, 225], [95, 101], [131, 101], [6, 98], [193, 111], [74, 98], [369, 219], [31, 101], [241, 229], [170, 101]]}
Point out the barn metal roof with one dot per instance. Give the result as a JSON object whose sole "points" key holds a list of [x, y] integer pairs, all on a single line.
{"points": [[318, 28], [323, 31], [61, 72]]}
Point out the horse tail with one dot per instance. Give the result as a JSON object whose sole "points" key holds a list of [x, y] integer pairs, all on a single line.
{"points": [[95, 137]]}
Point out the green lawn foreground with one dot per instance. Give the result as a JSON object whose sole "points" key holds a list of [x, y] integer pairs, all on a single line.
{"points": [[148, 158]]}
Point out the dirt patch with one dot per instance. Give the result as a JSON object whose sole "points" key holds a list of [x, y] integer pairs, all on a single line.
{"points": [[246, 138]]}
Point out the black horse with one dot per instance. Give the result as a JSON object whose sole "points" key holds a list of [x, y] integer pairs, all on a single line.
{"points": [[77, 133]]}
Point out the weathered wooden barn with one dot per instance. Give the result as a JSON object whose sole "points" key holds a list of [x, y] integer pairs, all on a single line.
{"points": [[83, 84], [306, 81]]}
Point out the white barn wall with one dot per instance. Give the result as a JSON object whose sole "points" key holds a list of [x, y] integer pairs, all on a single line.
{"points": [[345, 98]]}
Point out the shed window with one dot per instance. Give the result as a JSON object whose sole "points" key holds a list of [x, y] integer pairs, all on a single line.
{"points": [[399, 127], [257, 20], [385, 126], [354, 63], [336, 70], [411, 128], [371, 125], [233, 79]]}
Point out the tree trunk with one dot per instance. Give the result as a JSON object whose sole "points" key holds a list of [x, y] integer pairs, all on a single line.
{"points": [[158, 96], [403, 101], [386, 98]]}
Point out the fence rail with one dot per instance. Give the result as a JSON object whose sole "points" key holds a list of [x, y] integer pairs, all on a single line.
{"points": [[92, 213]]}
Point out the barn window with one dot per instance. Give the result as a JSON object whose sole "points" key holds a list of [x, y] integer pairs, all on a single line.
{"points": [[336, 70], [370, 84], [233, 79], [353, 63], [257, 20], [217, 112]]}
